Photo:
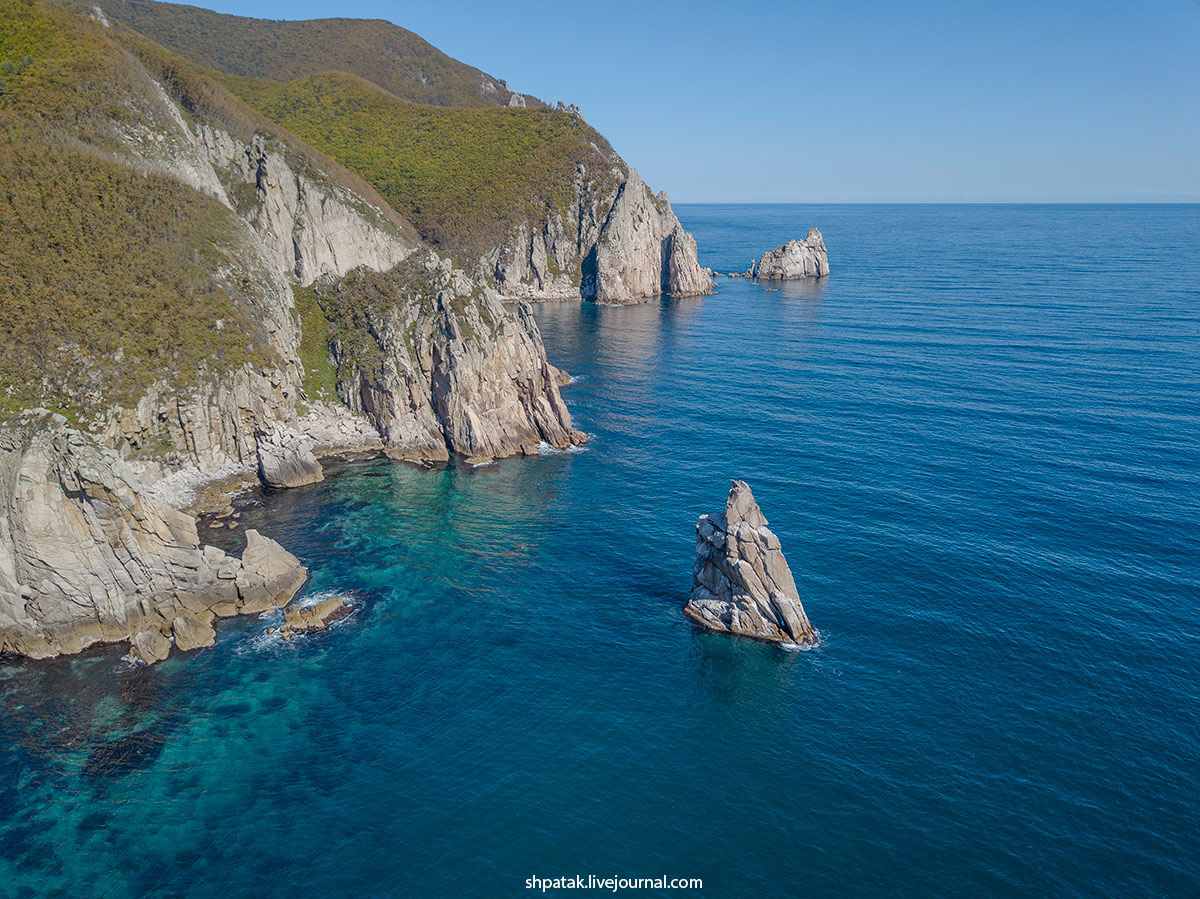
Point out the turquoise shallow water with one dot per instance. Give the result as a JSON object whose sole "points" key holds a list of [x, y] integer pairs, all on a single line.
{"points": [[978, 441]]}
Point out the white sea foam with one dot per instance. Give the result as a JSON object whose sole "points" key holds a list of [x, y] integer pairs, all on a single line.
{"points": [[312, 599], [545, 449], [796, 647]]}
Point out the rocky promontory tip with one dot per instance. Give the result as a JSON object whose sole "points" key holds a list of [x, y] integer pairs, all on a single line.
{"points": [[742, 583]]}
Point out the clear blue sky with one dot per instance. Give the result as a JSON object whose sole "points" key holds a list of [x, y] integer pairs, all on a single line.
{"points": [[849, 101]]}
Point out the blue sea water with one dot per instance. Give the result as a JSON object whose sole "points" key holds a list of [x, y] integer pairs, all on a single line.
{"points": [[979, 442]]}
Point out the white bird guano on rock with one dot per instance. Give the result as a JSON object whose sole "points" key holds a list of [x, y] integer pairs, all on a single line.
{"points": [[742, 583]]}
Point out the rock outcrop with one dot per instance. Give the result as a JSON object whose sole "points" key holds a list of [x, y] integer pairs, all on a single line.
{"points": [[286, 460], [269, 576], [795, 259], [617, 244], [643, 251], [304, 619], [86, 557], [193, 632], [310, 226], [443, 367], [742, 583]]}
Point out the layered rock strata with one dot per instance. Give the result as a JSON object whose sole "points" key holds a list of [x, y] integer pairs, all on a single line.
{"points": [[742, 583], [806, 258], [86, 557]]}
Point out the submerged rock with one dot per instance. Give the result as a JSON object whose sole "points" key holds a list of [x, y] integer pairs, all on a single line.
{"points": [[303, 619], [795, 259], [287, 460], [742, 583]]}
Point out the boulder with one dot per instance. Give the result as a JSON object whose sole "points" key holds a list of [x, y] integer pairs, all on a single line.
{"points": [[302, 619], [287, 460], [193, 632], [149, 647], [795, 259], [741, 581], [269, 576]]}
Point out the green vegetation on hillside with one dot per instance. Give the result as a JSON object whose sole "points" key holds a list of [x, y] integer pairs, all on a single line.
{"points": [[397, 60], [106, 274], [106, 282], [203, 99], [320, 375], [463, 177]]}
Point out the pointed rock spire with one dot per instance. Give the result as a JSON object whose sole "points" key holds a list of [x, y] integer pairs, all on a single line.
{"points": [[742, 583]]}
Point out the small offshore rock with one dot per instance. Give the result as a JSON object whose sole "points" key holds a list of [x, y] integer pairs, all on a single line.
{"points": [[303, 619], [741, 581], [561, 378], [795, 259]]}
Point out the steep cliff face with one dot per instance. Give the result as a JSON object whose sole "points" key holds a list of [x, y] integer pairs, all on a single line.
{"points": [[310, 226], [533, 193], [611, 245], [86, 557], [643, 250], [439, 366]]}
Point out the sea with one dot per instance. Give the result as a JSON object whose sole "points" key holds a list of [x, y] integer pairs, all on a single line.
{"points": [[978, 440]]}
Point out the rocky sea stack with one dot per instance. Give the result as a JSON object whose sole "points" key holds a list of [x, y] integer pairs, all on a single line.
{"points": [[742, 583], [795, 259]]}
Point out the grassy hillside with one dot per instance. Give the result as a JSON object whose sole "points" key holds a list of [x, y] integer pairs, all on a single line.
{"points": [[106, 274], [397, 60], [463, 177], [204, 99]]}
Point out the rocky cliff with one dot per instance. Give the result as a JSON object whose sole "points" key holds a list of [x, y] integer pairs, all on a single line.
{"points": [[439, 366], [617, 244], [742, 583], [157, 230], [310, 226], [86, 557], [795, 259]]}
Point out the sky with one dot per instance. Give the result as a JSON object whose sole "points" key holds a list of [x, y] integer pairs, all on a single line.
{"points": [[858, 101]]}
